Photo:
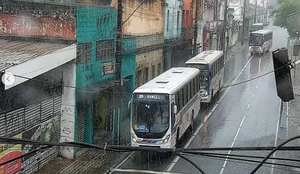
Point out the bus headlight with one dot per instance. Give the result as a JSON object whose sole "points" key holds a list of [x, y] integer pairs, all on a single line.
{"points": [[134, 139], [166, 139], [204, 94]]}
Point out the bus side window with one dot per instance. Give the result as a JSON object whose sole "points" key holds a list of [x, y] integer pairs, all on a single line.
{"points": [[187, 94], [191, 91], [178, 101], [172, 114], [182, 97], [194, 87]]}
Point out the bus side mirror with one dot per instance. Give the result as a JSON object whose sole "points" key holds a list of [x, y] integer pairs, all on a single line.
{"points": [[175, 109], [129, 104]]}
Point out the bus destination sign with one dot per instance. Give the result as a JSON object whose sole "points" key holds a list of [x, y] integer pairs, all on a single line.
{"points": [[150, 97]]}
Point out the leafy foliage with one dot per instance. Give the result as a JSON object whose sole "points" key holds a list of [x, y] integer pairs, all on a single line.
{"points": [[286, 7]]}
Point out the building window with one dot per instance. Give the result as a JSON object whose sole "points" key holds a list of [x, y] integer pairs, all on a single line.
{"points": [[139, 77], [84, 52], [183, 18], [105, 49], [153, 71], [168, 20], [158, 68], [187, 18], [146, 77]]}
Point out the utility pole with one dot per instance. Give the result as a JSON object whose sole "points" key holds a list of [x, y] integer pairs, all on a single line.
{"points": [[255, 13], [119, 42], [244, 12], [196, 27], [118, 78], [225, 30]]}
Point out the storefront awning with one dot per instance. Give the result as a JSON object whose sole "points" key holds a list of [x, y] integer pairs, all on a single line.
{"points": [[27, 60]]}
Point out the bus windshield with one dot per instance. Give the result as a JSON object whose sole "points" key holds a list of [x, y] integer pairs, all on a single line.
{"points": [[203, 79], [255, 40], [150, 116]]}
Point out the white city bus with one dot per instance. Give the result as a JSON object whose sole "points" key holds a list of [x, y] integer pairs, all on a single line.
{"points": [[257, 26], [260, 41], [211, 66], [165, 107]]}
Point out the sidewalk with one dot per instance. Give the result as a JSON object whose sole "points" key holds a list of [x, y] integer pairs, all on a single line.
{"points": [[234, 51], [290, 124]]}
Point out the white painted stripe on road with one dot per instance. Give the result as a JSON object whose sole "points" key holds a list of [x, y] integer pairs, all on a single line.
{"points": [[122, 162], [256, 86], [232, 144], [248, 106], [242, 121], [141, 171], [201, 125], [235, 137], [259, 79], [252, 95], [276, 135], [264, 67]]}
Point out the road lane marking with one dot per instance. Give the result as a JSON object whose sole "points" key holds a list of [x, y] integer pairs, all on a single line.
{"points": [[259, 79], [237, 133], [264, 67], [120, 163], [256, 86], [140, 171], [252, 96], [248, 106], [276, 136], [170, 167]]}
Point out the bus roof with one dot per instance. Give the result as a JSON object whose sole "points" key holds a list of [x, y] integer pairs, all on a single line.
{"points": [[205, 57], [169, 82], [263, 32]]}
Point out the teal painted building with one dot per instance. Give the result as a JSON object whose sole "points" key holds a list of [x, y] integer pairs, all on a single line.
{"points": [[96, 36], [95, 73]]}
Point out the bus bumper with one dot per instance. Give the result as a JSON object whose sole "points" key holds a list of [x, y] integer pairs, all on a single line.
{"points": [[255, 50]]}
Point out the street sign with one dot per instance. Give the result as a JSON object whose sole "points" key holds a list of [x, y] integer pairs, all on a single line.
{"points": [[283, 75]]}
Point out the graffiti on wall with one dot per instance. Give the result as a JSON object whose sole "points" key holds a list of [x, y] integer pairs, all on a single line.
{"points": [[29, 25], [8, 152], [48, 132], [67, 128]]}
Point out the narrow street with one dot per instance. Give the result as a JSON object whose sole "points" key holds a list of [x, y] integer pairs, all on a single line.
{"points": [[243, 115]]}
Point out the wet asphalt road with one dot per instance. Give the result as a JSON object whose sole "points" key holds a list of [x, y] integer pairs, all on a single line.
{"points": [[244, 115]]}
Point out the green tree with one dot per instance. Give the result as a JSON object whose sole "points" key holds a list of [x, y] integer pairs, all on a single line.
{"points": [[286, 7]]}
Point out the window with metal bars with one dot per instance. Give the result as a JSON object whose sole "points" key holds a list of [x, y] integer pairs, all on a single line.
{"points": [[105, 49], [84, 53]]}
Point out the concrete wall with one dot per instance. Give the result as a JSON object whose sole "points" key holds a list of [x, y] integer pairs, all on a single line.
{"points": [[29, 19], [173, 18], [68, 109], [148, 60], [148, 19]]}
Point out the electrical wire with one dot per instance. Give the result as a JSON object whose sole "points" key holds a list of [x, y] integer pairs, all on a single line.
{"points": [[245, 156], [24, 155], [90, 90], [253, 161], [273, 151], [191, 162], [242, 162]]}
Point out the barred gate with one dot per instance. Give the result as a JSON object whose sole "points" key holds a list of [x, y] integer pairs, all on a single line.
{"points": [[81, 112], [24, 119]]}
